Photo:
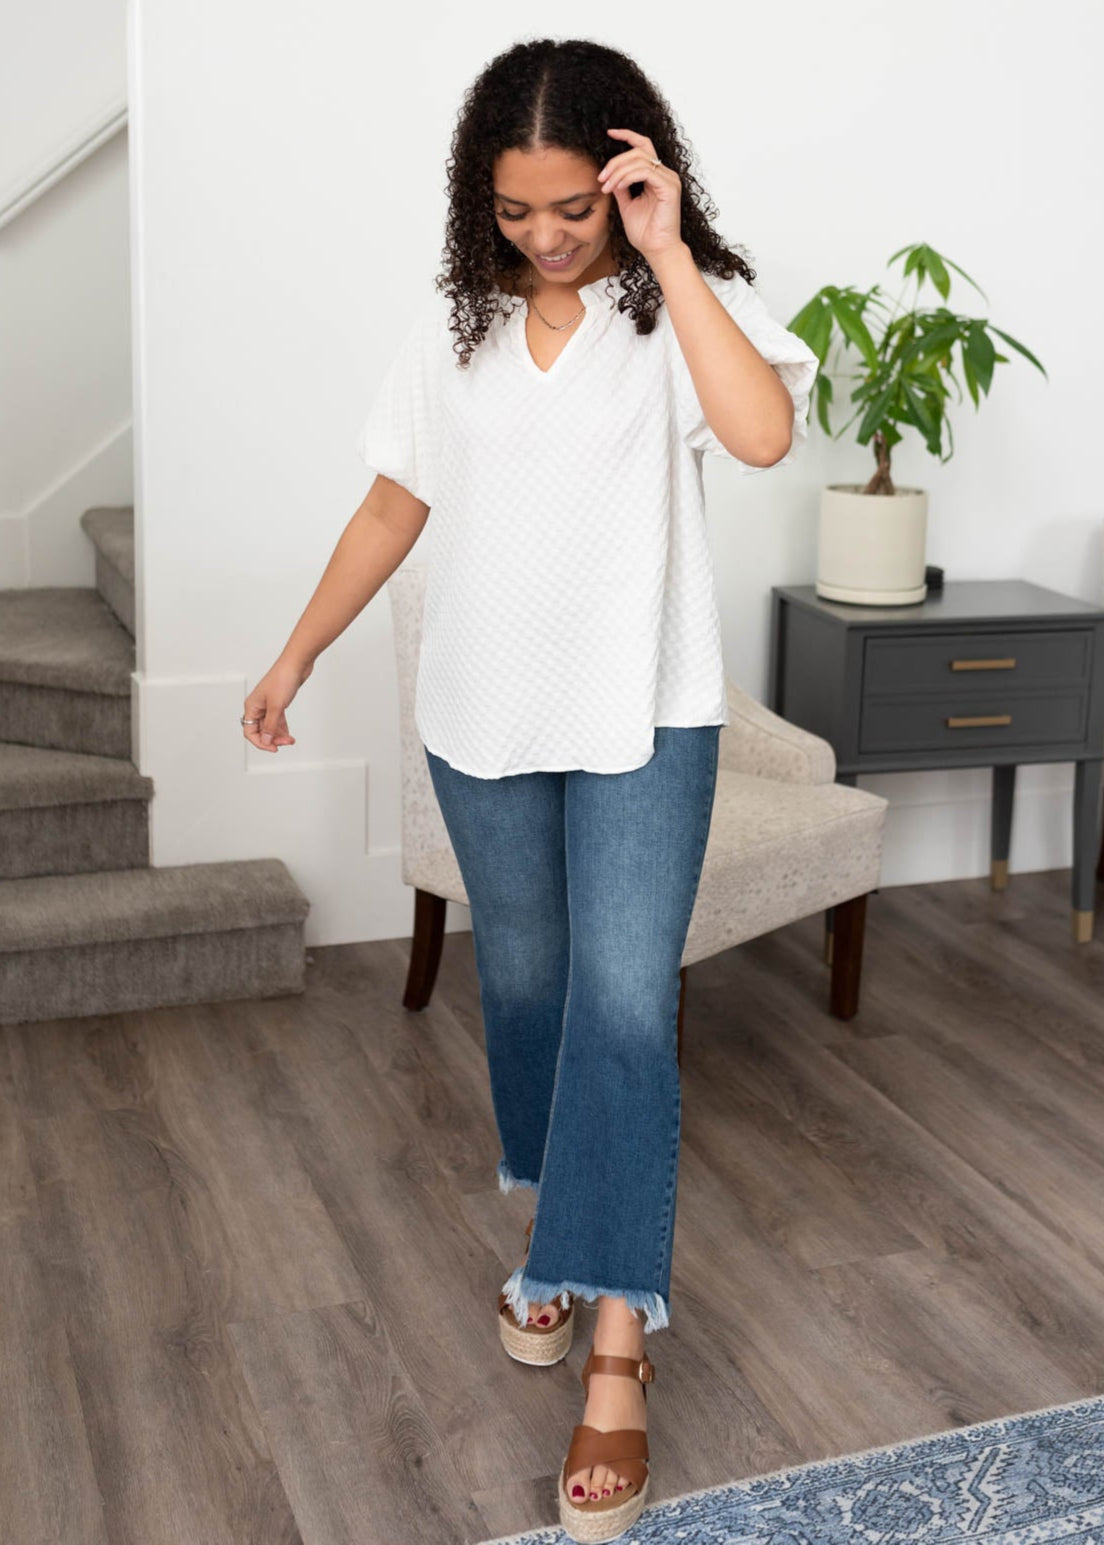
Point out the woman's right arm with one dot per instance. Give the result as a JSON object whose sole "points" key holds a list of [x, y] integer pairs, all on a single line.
{"points": [[373, 545]]}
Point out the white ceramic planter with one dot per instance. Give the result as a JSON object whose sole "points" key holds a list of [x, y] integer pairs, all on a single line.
{"points": [[871, 547]]}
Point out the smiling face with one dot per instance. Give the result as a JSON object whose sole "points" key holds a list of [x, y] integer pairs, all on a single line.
{"points": [[548, 203]]}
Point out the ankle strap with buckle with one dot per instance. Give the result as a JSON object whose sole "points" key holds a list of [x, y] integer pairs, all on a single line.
{"points": [[631, 1367]]}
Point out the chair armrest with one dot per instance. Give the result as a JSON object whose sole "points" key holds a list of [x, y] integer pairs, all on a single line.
{"points": [[759, 741]]}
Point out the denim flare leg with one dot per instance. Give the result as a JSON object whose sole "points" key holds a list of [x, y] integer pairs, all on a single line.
{"points": [[581, 887]]}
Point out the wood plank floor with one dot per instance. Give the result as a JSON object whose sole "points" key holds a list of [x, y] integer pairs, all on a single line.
{"points": [[249, 1251]]}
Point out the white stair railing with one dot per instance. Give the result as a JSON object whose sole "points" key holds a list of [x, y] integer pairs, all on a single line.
{"points": [[104, 127]]}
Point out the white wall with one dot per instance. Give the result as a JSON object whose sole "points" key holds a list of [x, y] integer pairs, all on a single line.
{"points": [[65, 365], [289, 206], [62, 68]]}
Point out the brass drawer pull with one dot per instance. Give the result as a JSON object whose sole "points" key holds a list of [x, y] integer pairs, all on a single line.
{"points": [[983, 665], [970, 722]]}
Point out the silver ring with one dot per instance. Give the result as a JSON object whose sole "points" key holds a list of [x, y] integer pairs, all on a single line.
{"points": [[657, 163], [249, 721]]}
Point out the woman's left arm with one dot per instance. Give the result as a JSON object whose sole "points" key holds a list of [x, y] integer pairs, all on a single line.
{"points": [[745, 402]]}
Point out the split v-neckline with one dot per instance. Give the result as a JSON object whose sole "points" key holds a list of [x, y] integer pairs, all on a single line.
{"points": [[588, 294], [568, 346]]}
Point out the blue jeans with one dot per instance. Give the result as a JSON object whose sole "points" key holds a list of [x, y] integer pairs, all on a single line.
{"points": [[581, 887]]}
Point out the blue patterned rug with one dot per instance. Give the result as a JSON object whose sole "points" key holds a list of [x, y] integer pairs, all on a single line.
{"points": [[1034, 1479]]}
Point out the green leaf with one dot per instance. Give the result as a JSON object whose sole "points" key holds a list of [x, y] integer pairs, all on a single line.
{"points": [[971, 378], [939, 275], [928, 425], [1027, 354], [820, 333], [937, 341], [953, 378], [966, 276], [932, 384], [823, 396], [873, 416], [800, 323], [913, 250], [854, 328], [979, 349]]}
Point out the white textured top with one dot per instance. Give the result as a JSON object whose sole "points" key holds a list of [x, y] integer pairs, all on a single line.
{"points": [[570, 603]]}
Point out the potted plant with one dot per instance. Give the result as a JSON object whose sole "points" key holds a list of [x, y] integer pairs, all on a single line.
{"points": [[871, 546]]}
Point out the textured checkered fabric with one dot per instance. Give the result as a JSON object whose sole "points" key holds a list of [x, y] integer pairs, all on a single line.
{"points": [[570, 599]]}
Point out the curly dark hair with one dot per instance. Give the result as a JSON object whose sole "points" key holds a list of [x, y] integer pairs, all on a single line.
{"points": [[548, 92]]}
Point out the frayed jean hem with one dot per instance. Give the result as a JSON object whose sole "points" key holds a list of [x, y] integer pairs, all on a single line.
{"points": [[522, 1290], [509, 1182]]}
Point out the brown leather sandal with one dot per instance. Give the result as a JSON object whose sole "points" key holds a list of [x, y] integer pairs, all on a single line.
{"points": [[625, 1450], [537, 1345]]}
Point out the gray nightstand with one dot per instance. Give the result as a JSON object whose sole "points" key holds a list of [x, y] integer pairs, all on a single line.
{"points": [[985, 673]]}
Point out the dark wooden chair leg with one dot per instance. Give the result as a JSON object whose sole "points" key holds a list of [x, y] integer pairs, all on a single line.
{"points": [[425, 949], [847, 946], [682, 1005], [1100, 859]]}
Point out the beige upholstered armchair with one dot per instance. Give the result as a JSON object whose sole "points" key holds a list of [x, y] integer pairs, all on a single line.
{"points": [[785, 840]]}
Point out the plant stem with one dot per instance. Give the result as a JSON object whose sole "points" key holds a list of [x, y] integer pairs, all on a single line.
{"points": [[881, 482]]}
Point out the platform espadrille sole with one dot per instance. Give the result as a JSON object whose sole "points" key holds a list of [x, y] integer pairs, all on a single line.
{"points": [[539, 1346], [594, 1526], [538, 1350]]}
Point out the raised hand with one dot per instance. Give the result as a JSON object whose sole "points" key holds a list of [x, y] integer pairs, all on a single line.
{"points": [[652, 220]]}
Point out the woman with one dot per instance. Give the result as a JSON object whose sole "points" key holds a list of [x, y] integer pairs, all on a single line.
{"points": [[591, 338]]}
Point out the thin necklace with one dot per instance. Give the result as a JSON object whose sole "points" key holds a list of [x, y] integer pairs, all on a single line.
{"points": [[557, 327]]}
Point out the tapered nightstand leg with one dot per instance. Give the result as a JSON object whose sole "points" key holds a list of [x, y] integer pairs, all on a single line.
{"points": [[1000, 828], [1086, 835]]}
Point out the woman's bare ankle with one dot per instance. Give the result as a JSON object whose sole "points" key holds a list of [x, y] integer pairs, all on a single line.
{"points": [[619, 1327]]}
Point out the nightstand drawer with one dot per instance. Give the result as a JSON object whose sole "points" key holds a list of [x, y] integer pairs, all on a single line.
{"points": [[987, 663], [957, 721]]}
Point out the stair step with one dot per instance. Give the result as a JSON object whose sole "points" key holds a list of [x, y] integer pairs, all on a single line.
{"points": [[64, 636], [124, 939], [111, 531], [65, 670], [36, 775], [66, 812]]}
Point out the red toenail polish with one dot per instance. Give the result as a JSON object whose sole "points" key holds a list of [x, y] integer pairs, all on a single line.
{"points": [[594, 1494], [621, 1487], [605, 1491], [545, 1319], [577, 1491]]}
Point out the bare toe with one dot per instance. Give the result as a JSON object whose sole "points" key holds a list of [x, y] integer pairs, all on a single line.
{"points": [[581, 1479]]}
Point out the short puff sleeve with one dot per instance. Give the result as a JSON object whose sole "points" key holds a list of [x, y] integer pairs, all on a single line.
{"points": [[792, 358], [399, 435]]}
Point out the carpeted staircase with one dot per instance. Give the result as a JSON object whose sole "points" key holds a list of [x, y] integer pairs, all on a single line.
{"points": [[86, 925]]}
